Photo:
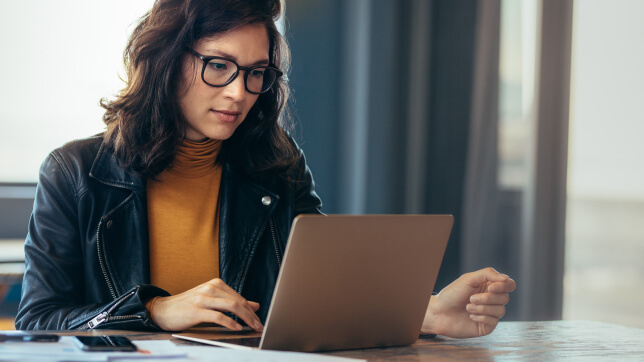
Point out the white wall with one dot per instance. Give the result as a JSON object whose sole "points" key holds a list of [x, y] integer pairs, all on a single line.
{"points": [[58, 59]]}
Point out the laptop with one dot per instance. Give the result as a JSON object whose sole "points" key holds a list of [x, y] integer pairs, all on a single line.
{"points": [[352, 282]]}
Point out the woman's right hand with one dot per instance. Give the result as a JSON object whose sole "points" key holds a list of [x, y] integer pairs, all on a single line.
{"points": [[205, 303]]}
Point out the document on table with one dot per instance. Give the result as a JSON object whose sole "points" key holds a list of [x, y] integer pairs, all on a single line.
{"points": [[65, 350]]}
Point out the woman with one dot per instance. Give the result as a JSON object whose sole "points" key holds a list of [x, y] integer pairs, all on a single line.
{"points": [[178, 214]]}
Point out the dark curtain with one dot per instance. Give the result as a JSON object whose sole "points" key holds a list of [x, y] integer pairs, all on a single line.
{"points": [[398, 109], [383, 95]]}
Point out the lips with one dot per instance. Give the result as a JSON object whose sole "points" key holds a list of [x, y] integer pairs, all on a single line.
{"points": [[226, 116]]}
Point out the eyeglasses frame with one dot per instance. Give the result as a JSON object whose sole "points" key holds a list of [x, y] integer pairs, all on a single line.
{"points": [[207, 59]]}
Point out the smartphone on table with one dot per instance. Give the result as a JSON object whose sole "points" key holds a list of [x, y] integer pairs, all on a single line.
{"points": [[104, 344]]}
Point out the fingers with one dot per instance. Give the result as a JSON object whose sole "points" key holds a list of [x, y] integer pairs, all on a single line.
{"points": [[486, 316], [254, 305], [213, 316], [205, 303], [496, 311], [488, 308], [241, 309], [479, 296], [487, 324], [506, 286], [223, 297], [490, 298], [480, 277]]}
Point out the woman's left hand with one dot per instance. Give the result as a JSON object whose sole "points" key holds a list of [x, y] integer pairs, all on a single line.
{"points": [[471, 306]]}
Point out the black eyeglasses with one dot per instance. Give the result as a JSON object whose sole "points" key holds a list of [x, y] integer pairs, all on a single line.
{"points": [[219, 72]]}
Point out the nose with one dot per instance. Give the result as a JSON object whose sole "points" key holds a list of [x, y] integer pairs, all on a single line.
{"points": [[236, 90]]}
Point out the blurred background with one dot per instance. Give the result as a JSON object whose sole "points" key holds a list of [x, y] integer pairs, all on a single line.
{"points": [[519, 117]]}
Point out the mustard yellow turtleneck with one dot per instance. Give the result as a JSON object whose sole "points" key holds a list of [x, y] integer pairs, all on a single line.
{"points": [[183, 220]]}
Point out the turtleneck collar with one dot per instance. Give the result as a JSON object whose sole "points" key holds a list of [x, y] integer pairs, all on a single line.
{"points": [[196, 159]]}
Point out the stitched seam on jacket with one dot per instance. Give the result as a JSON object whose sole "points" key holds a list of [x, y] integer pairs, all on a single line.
{"points": [[68, 176], [105, 180]]}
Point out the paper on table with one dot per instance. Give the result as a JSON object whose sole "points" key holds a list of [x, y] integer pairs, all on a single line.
{"points": [[65, 349], [203, 353], [154, 349]]}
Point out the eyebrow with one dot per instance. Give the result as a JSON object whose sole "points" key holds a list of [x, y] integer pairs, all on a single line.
{"points": [[220, 53]]}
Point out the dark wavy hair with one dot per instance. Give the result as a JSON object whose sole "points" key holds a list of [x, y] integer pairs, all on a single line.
{"points": [[145, 125]]}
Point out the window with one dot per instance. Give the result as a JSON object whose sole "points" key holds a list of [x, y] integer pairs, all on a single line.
{"points": [[516, 95], [605, 238]]}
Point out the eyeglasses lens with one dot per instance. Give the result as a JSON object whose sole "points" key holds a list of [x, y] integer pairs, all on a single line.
{"points": [[260, 79], [218, 72]]}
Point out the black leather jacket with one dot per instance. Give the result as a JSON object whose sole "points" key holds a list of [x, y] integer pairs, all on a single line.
{"points": [[87, 257]]}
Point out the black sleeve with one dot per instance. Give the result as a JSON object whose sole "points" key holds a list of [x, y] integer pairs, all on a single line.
{"points": [[53, 293]]}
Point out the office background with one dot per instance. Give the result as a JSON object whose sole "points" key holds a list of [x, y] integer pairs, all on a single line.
{"points": [[420, 106]]}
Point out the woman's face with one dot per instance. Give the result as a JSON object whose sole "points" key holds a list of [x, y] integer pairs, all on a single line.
{"points": [[215, 112]]}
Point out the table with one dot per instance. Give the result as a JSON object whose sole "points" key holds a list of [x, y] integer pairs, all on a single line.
{"points": [[539, 341]]}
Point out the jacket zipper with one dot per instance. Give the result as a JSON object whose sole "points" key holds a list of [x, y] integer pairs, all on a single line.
{"points": [[101, 262], [105, 316], [98, 242], [277, 249]]}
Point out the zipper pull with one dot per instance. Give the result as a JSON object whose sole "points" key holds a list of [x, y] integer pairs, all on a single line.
{"points": [[97, 320]]}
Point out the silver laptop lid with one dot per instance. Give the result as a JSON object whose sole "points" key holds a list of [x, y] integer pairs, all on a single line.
{"points": [[355, 281]]}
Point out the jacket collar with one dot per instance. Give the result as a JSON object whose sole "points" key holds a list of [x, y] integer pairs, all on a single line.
{"points": [[106, 169]]}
